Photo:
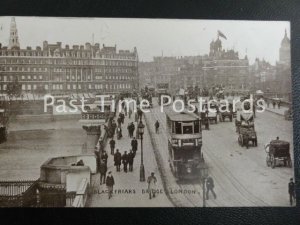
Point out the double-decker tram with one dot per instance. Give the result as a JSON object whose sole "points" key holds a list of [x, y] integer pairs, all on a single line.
{"points": [[184, 144]]}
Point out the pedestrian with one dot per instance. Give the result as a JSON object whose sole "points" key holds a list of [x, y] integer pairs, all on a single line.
{"points": [[121, 116], [210, 187], [156, 126], [102, 170], [136, 117], [112, 144], [117, 160], [134, 145], [114, 127], [292, 191], [273, 104], [97, 154], [101, 145], [130, 160], [125, 161], [279, 102], [151, 185], [268, 103], [110, 182], [104, 157], [129, 130], [125, 110], [140, 114], [130, 113], [119, 120], [119, 133]]}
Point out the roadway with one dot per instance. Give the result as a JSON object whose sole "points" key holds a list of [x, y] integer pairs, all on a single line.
{"points": [[241, 175]]}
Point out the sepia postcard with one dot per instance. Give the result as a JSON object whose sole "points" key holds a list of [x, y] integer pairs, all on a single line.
{"points": [[114, 112]]}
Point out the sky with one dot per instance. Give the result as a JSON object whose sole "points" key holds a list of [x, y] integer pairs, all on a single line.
{"points": [[153, 37]]}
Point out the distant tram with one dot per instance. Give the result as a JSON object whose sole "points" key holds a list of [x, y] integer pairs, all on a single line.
{"points": [[184, 144]]}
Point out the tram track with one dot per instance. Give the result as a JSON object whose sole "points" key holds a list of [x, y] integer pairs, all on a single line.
{"points": [[243, 198]]}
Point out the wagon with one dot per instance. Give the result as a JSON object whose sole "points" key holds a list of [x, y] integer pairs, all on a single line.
{"points": [[246, 135], [278, 151], [224, 113]]}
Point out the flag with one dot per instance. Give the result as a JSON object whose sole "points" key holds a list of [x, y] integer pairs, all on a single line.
{"points": [[221, 35]]}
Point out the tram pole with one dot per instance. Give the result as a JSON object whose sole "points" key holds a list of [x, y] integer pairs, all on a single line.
{"points": [[142, 169]]}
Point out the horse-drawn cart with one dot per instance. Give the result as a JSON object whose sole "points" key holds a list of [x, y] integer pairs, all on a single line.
{"points": [[278, 150]]}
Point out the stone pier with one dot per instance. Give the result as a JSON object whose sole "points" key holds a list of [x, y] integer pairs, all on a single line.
{"points": [[93, 133]]}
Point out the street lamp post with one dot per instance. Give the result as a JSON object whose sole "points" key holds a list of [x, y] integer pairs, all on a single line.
{"points": [[204, 174], [142, 169]]}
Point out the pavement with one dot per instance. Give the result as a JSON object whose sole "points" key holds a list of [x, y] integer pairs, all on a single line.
{"points": [[277, 111], [128, 190]]}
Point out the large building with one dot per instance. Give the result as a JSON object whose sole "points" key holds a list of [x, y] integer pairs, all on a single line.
{"points": [[219, 67], [54, 68]]}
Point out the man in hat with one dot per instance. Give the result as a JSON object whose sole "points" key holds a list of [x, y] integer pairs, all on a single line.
{"points": [[125, 161], [210, 187], [117, 160], [151, 185], [130, 157], [112, 144], [104, 157], [110, 182], [134, 145], [292, 191], [102, 170]]}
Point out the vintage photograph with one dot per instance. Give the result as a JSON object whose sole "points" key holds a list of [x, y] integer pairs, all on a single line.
{"points": [[115, 112]]}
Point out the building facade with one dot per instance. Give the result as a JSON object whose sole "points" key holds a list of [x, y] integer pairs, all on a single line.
{"points": [[219, 67], [53, 68]]}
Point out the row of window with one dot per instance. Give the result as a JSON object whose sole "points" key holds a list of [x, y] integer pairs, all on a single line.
{"points": [[67, 61], [114, 70], [97, 77], [45, 69], [28, 87], [25, 69]]}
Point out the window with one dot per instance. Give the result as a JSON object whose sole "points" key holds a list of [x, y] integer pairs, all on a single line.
{"points": [[23, 87], [41, 77], [178, 128], [28, 87], [46, 86], [187, 129]]}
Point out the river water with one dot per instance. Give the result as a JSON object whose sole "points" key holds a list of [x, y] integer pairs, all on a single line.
{"points": [[31, 143]]}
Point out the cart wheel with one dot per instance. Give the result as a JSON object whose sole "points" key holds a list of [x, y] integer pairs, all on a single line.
{"points": [[268, 161], [273, 162]]}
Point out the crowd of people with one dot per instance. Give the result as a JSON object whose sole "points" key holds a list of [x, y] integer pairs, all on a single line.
{"points": [[122, 161]]}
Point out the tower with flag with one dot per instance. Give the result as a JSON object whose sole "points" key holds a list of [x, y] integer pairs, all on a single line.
{"points": [[220, 34]]}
